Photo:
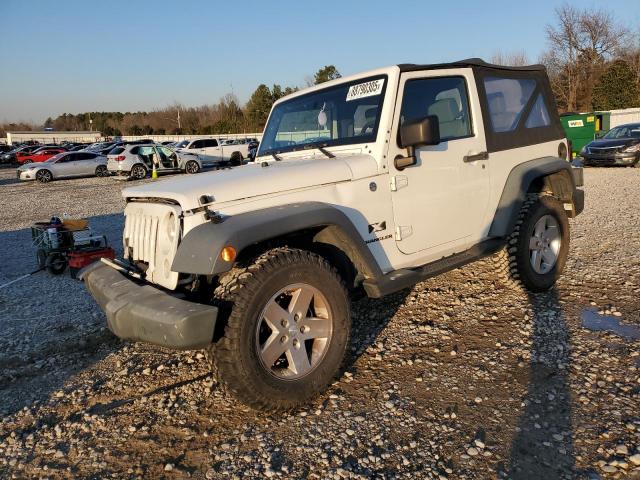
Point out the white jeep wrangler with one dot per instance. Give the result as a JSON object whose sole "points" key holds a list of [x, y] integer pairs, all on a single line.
{"points": [[370, 183]]}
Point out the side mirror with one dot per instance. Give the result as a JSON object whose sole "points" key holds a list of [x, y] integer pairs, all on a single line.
{"points": [[415, 134]]}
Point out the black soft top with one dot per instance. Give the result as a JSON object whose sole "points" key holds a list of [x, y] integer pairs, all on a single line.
{"points": [[469, 62]]}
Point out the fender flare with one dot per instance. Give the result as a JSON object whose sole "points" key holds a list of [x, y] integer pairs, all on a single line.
{"points": [[199, 250], [517, 185]]}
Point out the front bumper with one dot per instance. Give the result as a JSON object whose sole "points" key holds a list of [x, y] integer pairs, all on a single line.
{"points": [[610, 158], [141, 312], [26, 174]]}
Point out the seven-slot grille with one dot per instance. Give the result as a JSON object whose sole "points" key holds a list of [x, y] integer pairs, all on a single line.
{"points": [[140, 236]]}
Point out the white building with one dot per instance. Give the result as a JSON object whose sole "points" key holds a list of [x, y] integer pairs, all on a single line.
{"points": [[49, 136]]}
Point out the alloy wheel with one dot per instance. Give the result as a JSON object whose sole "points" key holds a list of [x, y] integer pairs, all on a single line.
{"points": [[544, 244]]}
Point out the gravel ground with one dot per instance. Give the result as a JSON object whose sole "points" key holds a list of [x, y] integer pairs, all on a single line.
{"points": [[459, 377]]}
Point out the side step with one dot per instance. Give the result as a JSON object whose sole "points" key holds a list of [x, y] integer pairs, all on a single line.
{"points": [[407, 277]]}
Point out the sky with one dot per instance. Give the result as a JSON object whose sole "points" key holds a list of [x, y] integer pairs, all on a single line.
{"points": [[71, 56]]}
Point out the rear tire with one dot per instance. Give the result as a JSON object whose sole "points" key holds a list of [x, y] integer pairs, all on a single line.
{"points": [[236, 159], [287, 329], [138, 172], [536, 251], [101, 171]]}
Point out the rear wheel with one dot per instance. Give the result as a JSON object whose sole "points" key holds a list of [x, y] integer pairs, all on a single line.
{"points": [[101, 171], [192, 167], [236, 159], [537, 249], [287, 329], [138, 172], [44, 176]]}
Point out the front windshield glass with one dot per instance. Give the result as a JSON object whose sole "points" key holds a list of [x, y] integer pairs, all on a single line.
{"points": [[57, 157], [182, 144], [345, 114], [630, 131]]}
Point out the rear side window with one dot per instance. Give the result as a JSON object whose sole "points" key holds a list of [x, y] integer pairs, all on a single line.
{"points": [[118, 151], [507, 99], [539, 116], [444, 97]]}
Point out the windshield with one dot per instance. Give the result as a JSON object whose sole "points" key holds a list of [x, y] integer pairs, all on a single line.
{"points": [[629, 131], [346, 114], [182, 144], [57, 157]]}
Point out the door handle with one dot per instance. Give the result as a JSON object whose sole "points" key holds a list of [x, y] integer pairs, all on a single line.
{"points": [[473, 156]]}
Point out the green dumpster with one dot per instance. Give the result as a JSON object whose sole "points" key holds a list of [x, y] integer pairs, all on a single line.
{"points": [[580, 129]]}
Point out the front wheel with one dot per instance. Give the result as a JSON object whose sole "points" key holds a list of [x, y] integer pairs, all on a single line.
{"points": [[287, 329], [192, 167], [44, 176], [537, 249], [56, 263]]}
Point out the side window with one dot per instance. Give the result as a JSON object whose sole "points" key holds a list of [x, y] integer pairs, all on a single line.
{"points": [[444, 97], [197, 144], [210, 143], [539, 116], [69, 158], [507, 98]]}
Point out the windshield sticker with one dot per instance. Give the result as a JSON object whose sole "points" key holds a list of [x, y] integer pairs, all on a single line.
{"points": [[367, 89]]}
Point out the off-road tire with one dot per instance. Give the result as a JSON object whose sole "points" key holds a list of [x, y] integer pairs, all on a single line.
{"points": [[191, 167], [138, 172], [44, 176], [241, 297], [513, 265]]}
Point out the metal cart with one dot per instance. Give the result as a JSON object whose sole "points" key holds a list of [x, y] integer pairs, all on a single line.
{"points": [[55, 241]]}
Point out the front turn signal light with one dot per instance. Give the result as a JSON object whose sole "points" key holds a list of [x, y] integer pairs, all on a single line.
{"points": [[228, 253]]}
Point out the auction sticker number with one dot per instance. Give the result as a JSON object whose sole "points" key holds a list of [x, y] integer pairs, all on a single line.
{"points": [[367, 89]]}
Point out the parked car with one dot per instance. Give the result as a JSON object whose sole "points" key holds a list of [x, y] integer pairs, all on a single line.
{"points": [[10, 156], [216, 152], [619, 146], [423, 169], [40, 155], [65, 165], [136, 161], [5, 148]]}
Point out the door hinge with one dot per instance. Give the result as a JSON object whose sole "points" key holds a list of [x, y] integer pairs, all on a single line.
{"points": [[398, 182], [403, 232]]}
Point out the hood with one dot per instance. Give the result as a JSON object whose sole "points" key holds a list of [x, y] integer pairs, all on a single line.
{"points": [[614, 142], [255, 180]]}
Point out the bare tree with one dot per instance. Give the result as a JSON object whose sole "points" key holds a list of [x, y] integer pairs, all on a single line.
{"points": [[580, 44], [513, 59]]}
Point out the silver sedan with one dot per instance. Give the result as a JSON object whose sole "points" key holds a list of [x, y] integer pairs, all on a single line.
{"points": [[65, 165]]}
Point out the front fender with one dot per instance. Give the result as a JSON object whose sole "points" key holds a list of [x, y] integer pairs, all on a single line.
{"points": [[199, 250]]}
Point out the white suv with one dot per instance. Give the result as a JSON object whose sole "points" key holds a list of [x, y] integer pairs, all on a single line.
{"points": [[214, 151], [369, 183]]}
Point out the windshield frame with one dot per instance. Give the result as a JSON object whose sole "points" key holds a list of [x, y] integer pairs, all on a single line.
{"points": [[353, 140]]}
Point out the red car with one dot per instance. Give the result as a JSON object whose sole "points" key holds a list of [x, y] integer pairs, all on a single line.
{"points": [[40, 155]]}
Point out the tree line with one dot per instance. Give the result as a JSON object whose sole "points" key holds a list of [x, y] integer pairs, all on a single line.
{"points": [[226, 116]]}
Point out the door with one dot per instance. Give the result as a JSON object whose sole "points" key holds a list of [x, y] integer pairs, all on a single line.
{"points": [[440, 202], [85, 164], [212, 151], [66, 166], [168, 157]]}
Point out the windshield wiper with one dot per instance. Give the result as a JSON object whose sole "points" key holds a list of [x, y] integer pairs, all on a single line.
{"points": [[320, 147]]}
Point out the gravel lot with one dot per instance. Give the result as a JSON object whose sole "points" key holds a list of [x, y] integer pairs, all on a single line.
{"points": [[459, 377]]}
